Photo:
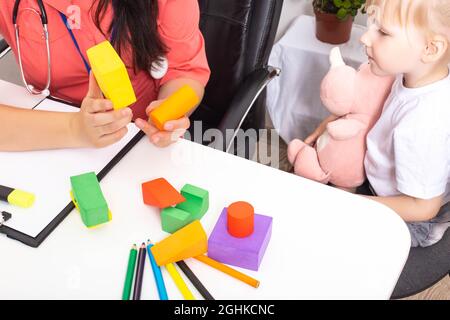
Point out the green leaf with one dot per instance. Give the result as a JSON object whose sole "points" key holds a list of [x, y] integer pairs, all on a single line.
{"points": [[338, 3], [342, 8], [342, 13]]}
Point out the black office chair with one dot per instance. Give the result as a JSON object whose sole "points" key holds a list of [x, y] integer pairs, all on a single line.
{"points": [[239, 36], [425, 266], [4, 48]]}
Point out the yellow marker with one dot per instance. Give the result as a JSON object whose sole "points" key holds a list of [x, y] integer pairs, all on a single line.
{"points": [[175, 107], [111, 75], [179, 282], [17, 197]]}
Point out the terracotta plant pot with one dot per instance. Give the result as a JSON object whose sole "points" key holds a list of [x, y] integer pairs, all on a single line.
{"points": [[330, 29]]}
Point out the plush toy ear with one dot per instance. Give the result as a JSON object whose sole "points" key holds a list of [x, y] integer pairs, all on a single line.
{"points": [[336, 58], [338, 86]]}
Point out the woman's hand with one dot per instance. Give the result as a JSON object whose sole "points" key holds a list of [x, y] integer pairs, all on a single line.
{"points": [[173, 130], [98, 124], [312, 139]]}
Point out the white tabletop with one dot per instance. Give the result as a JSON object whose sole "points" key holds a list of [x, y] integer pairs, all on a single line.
{"points": [[325, 243]]}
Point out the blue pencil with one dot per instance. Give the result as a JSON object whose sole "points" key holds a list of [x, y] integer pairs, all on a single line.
{"points": [[157, 273]]}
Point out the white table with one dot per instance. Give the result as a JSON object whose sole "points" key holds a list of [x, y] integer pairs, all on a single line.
{"points": [[293, 100], [325, 243]]}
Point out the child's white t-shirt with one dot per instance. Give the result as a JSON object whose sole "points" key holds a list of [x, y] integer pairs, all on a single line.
{"points": [[408, 149]]}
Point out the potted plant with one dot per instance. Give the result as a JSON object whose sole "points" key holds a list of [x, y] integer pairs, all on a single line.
{"points": [[334, 19]]}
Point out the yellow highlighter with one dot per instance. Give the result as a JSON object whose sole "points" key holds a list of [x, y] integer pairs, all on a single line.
{"points": [[16, 197], [111, 75], [175, 107]]}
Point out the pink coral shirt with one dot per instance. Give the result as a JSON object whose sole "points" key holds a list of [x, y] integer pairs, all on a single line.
{"points": [[178, 24]]}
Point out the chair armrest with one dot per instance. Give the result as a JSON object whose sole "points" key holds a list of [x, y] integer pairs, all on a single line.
{"points": [[244, 100], [4, 48]]}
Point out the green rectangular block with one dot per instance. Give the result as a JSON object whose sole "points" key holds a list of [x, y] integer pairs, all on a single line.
{"points": [[197, 201], [173, 219], [89, 200]]}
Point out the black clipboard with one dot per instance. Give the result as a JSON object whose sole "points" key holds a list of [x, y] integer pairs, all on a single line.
{"points": [[35, 242]]}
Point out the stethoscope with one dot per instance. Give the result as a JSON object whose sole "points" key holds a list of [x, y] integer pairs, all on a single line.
{"points": [[43, 15], [158, 69]]}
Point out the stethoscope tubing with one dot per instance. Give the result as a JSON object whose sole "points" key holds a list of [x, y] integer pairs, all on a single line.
{"points": [[43, 15], [157, 72]]}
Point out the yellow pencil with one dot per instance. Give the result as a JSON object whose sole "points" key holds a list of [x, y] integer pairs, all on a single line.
{"points": [[187, 294]]}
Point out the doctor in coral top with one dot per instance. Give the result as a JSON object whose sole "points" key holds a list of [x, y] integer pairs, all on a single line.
{"points": [[159, 41]]}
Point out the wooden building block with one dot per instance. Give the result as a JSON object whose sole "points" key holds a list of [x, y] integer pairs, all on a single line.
{"points": [[241, 252], [240, 219], [197, 201], [175, 107], [89, 200], [160, 193], [188, 242], [173, 219], [193, 208], [111, 75]]}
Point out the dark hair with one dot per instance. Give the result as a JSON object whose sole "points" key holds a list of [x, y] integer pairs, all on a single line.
{"points": [[135, 27]]}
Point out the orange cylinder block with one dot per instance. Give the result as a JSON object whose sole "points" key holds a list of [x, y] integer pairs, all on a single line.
{"points": [[175, 107], [240, 219]]}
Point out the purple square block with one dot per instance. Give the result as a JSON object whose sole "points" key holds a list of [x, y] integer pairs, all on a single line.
{"points": [[241, 252]]}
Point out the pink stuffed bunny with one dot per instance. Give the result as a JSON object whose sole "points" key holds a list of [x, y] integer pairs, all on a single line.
{"points": [[357, 97]]}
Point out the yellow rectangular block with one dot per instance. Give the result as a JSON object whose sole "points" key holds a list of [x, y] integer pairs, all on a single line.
{"points": [[111, 75], [175, 107], [188, 242]]}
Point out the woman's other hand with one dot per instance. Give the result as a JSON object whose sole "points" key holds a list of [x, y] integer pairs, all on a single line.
{"points": [[173, 130]]}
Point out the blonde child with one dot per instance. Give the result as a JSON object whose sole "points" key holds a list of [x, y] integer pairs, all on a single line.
{"points": [[408, 156]]}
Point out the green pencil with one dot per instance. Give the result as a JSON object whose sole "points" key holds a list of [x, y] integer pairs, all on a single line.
{"points": [[130, 274]]}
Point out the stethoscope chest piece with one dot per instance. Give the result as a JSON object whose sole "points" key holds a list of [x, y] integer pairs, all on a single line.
{"points": [[159, 68]]}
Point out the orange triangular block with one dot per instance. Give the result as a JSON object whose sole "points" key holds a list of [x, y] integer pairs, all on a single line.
{"points": [[190, 241], [160, 193]]}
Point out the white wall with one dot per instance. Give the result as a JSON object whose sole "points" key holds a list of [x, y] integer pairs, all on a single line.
{"points": [[294, 8]]}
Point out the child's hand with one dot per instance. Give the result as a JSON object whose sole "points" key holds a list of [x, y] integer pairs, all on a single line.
{"points": [[173, 129], [312, 139], [97, 124]]}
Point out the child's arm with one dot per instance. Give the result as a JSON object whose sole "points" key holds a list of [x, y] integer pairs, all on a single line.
{"points": [[412, 209], [311, 140]]}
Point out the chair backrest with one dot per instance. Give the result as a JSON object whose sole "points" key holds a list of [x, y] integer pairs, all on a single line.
{"points": [[3, 45], [239, 36]]}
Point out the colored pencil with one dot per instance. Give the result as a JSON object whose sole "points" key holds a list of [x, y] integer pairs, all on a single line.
{"points": [[194, 280], [230, 271], [139, 273], [130, 273], [157, 273], [179, 282]]}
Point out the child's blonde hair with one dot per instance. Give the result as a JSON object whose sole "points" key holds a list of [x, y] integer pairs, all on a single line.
{"points": [[432, 16]]}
